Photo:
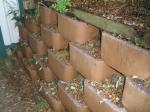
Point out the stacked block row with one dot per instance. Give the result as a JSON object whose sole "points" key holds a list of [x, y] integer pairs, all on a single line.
{"points": [[85, 69]]}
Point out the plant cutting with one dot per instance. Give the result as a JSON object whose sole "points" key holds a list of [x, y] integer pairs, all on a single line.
{"points": [[139, 89], [59, 63], [50, 93], [105, 95], [86, 59], [125, 57], [71, 94]]}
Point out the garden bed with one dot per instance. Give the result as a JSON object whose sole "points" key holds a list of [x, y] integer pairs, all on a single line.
{"points": [[59, 63], [105, 96], [71, 94], [133, 13], [89, 61], [139, 89]]}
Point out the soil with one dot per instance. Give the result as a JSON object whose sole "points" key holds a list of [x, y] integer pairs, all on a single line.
{"points": [[143, 84], [41, 61], [17, 92], [74, 88], [62, 55], [36, 35], [92, 47], [50, 88], [133, 14], [24, 43], [52, 28], [111, 89]]}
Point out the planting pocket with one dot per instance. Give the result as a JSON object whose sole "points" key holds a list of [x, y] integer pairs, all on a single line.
{"points": [[62, 69], [71, 104], [90, 67], [49, 92], [136, 95], [96, 101]]}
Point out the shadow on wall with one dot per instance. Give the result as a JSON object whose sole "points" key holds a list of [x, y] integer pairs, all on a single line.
{"points": [[2, 47]]}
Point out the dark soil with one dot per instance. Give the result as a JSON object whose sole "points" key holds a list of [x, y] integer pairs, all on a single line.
{"points": [[50, 88], [62, 55], [134, 14], [36, 35], [40, 62], [75, 88], [92, 47], [143, 84], [52, 28], [17, 92], [111, 89]]}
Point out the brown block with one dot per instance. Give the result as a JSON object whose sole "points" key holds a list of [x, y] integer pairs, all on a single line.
{"points": [[23, 33], [32, 26], [92, 99], [46, 74], [74, 30], [125, 57], [56, 105], [37, 45], [48, 16], [61, 69], [70, 103], [91, 68], [136, 98], [53, 39]]}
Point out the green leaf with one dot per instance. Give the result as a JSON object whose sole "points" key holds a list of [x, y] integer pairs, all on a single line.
{"points": [[40, 104]]}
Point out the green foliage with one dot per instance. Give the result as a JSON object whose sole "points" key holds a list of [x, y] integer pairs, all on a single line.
{"points": [[40, 104], [49, 110], [61, 6]]}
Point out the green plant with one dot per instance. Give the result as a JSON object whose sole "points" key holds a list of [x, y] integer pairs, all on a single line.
{"points": [[40, 104], [61, 6]]}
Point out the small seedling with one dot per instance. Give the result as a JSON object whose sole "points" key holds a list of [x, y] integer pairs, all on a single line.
{"points": [[61, 6]]}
